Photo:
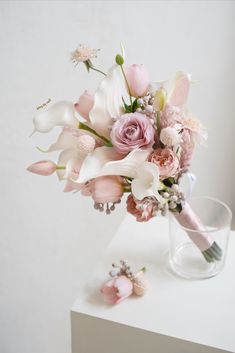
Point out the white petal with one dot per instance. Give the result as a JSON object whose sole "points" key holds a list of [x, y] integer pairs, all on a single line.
{"points": [[108, 101], [60, 114], [67, 139], [105, 161], [147, 181], [65, 157], [179, 89]]}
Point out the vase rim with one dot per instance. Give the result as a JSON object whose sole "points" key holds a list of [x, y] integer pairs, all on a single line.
{"points": [[215, 229]]}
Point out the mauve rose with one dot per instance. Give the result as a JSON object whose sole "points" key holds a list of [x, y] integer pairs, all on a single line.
{"points": [[132, 131], [138, 79], [142, 210], [167, 162]]}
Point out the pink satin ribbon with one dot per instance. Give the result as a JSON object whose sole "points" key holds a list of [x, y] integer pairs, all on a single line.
{"points": [[188, 219]]}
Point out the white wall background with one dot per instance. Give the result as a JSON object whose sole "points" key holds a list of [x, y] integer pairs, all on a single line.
{"points": [[49, 240]]}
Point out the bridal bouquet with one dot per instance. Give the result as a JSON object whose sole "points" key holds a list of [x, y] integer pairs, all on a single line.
{"points": [[131, 136]]}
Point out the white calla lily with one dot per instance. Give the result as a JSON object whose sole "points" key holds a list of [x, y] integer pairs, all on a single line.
{"points": [[108, 101], [68, 138], [146, 182], [60, 114], [106, 161], [64, 157]]}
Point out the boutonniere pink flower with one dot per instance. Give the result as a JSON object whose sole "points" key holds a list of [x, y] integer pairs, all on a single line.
{"points": [[123, 283]]}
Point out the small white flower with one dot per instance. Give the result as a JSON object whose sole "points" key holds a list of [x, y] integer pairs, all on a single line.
{"points": [[169, 136], [83, 53]]}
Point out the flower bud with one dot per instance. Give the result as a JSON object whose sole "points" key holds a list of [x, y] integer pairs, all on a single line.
{"points": [[42, 168], [107, 189], [159, 100], [119, 59], [138, 80]]}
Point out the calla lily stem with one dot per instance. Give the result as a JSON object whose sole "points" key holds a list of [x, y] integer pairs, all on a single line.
{"points": [[83, 126], [129, 91]]}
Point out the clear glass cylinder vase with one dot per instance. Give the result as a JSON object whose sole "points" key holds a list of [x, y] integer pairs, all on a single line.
{"points": [[199, 238]]}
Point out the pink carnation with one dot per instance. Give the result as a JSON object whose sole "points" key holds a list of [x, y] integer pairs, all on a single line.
{"points": [[132, 131], [167, 162], [170, 116], [144, 209], [187, 149]]}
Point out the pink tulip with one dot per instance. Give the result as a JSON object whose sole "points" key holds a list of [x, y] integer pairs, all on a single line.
{"points": [[42, 168], [107, 189], [138, 80], [85, 104], [117, 289]]}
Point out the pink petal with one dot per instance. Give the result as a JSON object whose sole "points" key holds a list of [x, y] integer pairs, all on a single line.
{"points": [[180, 91]]}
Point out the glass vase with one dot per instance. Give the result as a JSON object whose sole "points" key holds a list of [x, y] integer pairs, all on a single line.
{"points": [[199, 237]]}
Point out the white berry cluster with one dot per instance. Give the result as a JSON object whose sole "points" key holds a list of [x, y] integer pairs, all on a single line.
{"points": [[174, 197], [146, 105], [122, 270]]}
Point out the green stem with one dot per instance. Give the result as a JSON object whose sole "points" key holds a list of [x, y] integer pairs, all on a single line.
{"points": [[89, 66], [60, 167], [83, 126], [126, 189], [95, 69], [158, 123], [129, 91]]}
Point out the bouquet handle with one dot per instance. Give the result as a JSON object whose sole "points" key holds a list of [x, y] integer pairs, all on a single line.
{"points": [[196, 231]]}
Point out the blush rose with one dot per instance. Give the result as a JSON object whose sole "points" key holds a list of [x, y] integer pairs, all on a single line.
{"points": [[167, 162]]}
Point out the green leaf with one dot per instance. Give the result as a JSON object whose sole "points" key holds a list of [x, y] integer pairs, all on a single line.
{"points": [[169, 181], [135, 105]]}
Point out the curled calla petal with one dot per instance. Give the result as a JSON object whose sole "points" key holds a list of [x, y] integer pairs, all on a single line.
{"points": [[179, 89], [108, 101], [85, 104], [68, 138], [64, 157], [107, 161], [60, 114], [72, 171], [146, 182]]}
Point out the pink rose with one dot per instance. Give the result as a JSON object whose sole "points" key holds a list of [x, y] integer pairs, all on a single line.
{"points": [[42, 168], [167, 162], [106, 189], [85, 104], [138, 80], [144, 209], [117, 289], [132, 131]]}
